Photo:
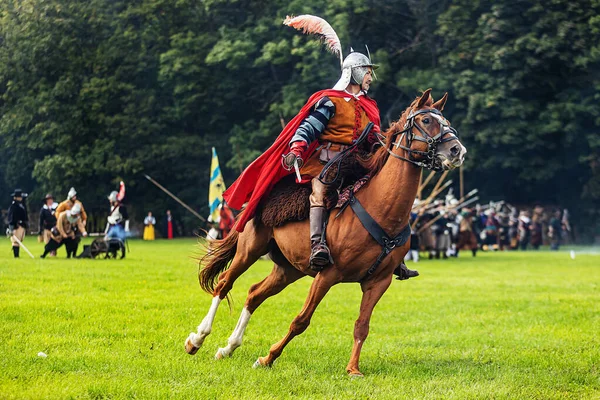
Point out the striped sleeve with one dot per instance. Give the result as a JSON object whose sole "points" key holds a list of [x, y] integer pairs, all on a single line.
{"points": [[311, 128]]}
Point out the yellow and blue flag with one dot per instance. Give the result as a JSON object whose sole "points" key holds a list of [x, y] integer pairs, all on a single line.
{"points": [[217, 186]]}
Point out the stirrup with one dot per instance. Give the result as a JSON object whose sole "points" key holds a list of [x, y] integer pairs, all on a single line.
{"points": [[320, 257], [403, 273]]}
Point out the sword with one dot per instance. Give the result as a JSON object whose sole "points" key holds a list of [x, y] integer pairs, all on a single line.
{"points": [[23, 246], [297, 169]]}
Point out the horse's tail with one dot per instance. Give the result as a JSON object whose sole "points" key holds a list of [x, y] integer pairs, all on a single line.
{"points": [[217, 259]]}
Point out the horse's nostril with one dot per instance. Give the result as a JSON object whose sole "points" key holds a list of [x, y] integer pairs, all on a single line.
{"points": [[455, 150]]}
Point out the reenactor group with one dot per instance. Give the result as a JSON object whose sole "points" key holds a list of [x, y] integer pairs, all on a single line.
{"points": [[60, 223], [442, 229]]}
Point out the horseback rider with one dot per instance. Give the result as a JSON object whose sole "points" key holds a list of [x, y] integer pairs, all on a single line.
{"points": [[334, 122], [331, 121]]}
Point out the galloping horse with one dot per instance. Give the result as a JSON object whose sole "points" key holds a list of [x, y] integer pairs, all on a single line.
{"points": [[421, 138]]}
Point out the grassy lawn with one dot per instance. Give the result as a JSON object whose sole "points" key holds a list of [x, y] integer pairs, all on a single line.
{"points": [[502, 325]]}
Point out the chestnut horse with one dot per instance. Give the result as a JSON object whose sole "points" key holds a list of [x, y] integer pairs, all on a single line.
{"points": [[422, 137]]}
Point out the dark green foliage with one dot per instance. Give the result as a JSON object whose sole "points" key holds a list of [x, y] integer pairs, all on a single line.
{"points": [[98, 91]]}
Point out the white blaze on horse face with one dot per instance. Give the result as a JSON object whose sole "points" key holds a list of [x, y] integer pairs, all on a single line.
{"points": [[205, 326], [442, 121], [235, 340]]}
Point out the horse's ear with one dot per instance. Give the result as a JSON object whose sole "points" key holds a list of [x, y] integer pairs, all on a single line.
{"points": [[439, 105], [425, 98]]}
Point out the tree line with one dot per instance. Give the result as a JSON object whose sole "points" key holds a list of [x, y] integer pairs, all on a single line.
{"points": [[93, 92]]}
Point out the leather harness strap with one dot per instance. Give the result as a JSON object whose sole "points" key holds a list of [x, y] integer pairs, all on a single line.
{"points": [[387, 243]]}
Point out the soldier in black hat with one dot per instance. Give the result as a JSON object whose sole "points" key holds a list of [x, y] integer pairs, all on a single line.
{"points": [[47, 218], [17, 221]]}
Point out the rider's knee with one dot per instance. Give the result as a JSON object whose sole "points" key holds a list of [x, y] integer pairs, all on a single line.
{"points": [[319, 191]]}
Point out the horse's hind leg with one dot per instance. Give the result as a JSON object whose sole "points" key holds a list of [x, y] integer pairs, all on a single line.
{"points": [[278, 279], [251, 245]]}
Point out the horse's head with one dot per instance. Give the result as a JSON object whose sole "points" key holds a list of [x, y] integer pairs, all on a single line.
{"points": [[426, 137]]}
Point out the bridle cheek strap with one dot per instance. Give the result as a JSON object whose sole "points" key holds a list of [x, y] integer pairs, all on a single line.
{"points": [[446, 134]]}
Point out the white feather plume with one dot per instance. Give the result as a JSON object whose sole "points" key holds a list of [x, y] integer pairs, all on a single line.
{"points": [[314, 25]]}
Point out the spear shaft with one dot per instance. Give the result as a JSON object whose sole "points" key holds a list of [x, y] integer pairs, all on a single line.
{"points": [[177, 199]]}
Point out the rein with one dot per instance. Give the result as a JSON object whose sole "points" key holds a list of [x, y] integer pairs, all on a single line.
{"points": [[337, 160], [389, 243], [432, 142]]}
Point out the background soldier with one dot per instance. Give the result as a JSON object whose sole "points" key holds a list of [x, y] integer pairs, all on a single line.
{"points": [[524, 230], [555, 230], [68, 224], [47, 219], [17, 221], [68, 204], [118, 219]]}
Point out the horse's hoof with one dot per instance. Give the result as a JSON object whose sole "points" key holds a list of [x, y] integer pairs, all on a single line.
{"points": [[260, 363], [220, 354], [190, 348], [355, 374]]}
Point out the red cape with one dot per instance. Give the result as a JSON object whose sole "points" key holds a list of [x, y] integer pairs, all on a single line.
{"points": [[259, 178]]}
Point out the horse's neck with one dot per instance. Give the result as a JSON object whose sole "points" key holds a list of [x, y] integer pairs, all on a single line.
{"points": [[392, 193]]}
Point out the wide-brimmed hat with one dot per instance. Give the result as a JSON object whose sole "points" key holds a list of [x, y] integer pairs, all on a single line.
{"points": [[17, 193]]}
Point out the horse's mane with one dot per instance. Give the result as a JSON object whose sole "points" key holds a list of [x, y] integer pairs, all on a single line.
{"points": [[375, 161]]}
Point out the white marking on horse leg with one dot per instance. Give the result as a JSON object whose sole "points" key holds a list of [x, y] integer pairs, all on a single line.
{"points": [[205, 326], [235, 340]]}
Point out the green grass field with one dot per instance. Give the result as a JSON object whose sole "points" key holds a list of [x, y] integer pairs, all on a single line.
{"points": [[502, 325]]}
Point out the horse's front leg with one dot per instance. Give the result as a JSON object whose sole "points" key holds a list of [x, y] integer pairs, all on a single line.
{"points": [[372, 292], [319, 288]]}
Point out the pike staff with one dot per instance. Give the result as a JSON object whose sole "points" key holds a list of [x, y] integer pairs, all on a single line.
{"points": [[177, 199], [457, 207], [421, 187]]}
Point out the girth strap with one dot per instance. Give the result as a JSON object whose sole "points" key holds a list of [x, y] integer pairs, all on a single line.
{"points": [[387, 243]]}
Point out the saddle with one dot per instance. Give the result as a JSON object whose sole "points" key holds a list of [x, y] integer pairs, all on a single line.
{"points": [[289, 201]]}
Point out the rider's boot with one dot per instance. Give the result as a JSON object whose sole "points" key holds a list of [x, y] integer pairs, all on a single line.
{"points": [[404, 273], [320, 256], [16, 251]]}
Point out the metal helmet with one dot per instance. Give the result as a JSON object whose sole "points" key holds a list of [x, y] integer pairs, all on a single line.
{"points": [[72, 193], [113, 196], [76, 209], [354, 68]]}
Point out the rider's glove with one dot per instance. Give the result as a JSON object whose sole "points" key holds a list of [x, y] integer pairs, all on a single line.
{"points": [[295, 154]]}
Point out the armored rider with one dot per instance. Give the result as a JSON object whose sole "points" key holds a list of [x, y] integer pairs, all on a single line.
{"points": [[329, 122], [334, 122]]}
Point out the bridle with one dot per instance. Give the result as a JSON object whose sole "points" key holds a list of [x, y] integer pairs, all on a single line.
{"points": [[432, 142]]}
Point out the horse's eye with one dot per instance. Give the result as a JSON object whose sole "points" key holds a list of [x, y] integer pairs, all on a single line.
{"points": [[425, 120]]}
